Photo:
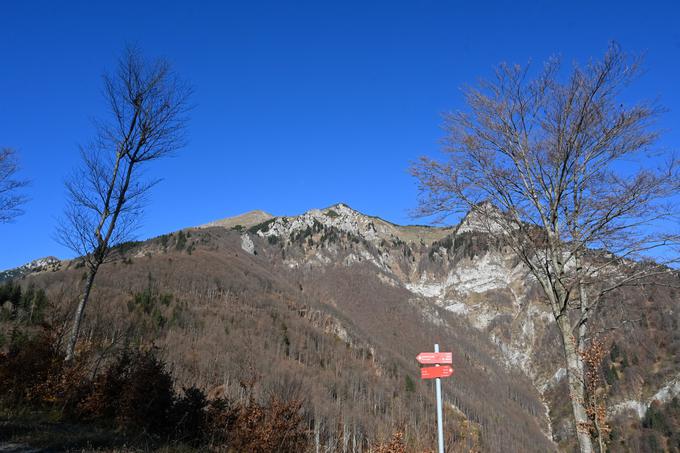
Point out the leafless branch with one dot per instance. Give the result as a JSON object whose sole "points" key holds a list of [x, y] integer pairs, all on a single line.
{"points": [[11, 198], [561, 169], [148, 108]]}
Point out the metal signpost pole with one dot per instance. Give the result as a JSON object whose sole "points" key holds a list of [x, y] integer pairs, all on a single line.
{"points": [[440, 427]]}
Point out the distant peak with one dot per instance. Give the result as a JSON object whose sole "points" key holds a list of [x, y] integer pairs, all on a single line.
{"points": [[256, 212], [41, 264], [245, 220], [342, 207]]}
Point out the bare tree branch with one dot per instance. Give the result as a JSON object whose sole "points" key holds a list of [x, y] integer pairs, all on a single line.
{"points": [[561, 168], [11, 198], [148, 108]]}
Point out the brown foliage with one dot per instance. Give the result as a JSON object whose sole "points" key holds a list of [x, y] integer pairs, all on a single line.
{"points": [[29, 368], [253, 427], [395, 445], [134, 394], [596, 408]]}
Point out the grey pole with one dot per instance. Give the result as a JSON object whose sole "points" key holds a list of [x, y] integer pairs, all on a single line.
{"points": [[440, 427]]}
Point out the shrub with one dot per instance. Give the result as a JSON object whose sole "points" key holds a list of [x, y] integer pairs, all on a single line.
{"points": [[264, 226], [220, 418], [655, 418], [409, 385], [395, 445], [277, 427], [28, 305], [190, 417], [135, 392], [29, 364], [181, 241], [10, 292]]}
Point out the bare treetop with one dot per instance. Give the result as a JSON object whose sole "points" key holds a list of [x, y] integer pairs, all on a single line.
{"points": [[148, 107], [11, 198], [562, 168], [148, 104], [565, 154]]}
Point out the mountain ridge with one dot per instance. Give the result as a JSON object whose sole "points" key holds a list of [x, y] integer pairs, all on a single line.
{"points": [[384, 292]]}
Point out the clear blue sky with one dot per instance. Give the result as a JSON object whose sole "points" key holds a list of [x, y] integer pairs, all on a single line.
{"points": [[299, 104]]}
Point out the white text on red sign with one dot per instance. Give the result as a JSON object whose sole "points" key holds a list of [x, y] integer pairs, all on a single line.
{"points": [[431, 358]]}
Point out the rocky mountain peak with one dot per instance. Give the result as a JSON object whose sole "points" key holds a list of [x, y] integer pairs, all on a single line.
{"points": [[339, 216], [48, 263], [483, 218], [345, 219]]}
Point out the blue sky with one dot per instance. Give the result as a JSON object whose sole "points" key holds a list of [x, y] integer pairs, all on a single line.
{"points": [[298, 104]]}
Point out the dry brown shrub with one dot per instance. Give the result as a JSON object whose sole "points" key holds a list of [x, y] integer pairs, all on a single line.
{"points": [[135, 394], [394, 445], [29, 368], [252, 427]]}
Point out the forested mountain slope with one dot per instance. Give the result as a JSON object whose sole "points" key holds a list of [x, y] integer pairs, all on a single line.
{"points": [[332, 306]]}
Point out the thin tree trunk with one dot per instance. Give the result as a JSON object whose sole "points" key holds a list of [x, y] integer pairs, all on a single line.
{"points": [[30, 315], [345, 437], [73, 338], [576, 380], [600, 437]]}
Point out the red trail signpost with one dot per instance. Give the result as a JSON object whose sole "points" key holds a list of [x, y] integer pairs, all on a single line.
{"points": [[431, 358], [436, 372], [433, 372]]}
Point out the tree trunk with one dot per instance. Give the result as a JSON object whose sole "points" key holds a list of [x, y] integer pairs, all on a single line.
{"points": [[317, 429], [71, 347], [576, 380], [602, 447]]}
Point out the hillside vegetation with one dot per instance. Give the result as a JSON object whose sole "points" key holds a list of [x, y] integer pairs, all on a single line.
{"points": [[316, 322]]}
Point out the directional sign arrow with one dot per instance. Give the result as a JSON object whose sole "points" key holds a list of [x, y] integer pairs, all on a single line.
{"points": [[432, 372], [431, 358]]}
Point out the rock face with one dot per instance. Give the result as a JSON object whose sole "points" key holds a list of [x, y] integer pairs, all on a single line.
{"points": [[247, 244], [49, 263], [471, 275], [458, 271]]}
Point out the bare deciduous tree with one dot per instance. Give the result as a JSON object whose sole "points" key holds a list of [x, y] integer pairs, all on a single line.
{"points": [[11, 198], [562, 169], [147, 105]]}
